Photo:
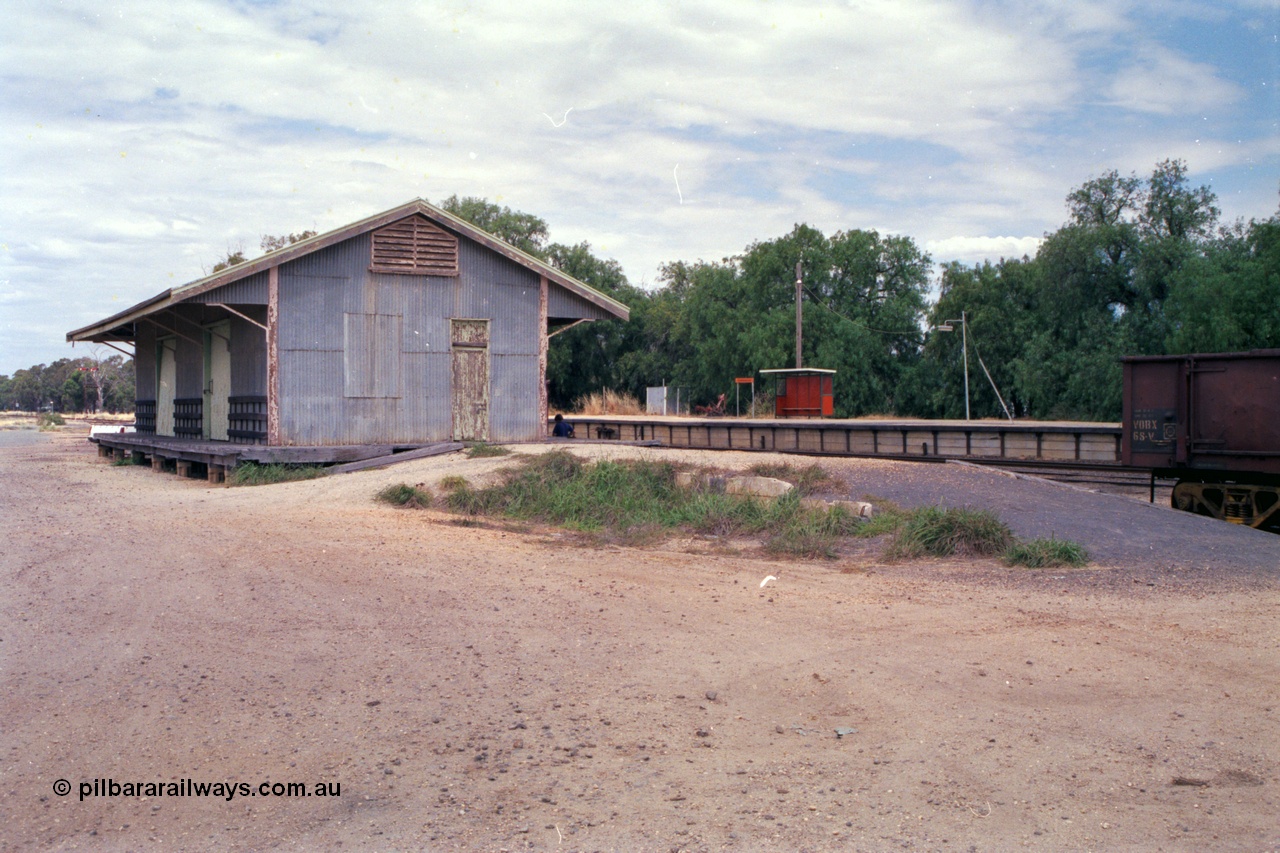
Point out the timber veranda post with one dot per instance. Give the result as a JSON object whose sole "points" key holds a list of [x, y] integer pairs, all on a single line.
{"points": [[273, 356]]}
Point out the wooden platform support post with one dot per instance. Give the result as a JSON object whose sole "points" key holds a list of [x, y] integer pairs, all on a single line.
{"points": [[217, 473], [182, 467], [157, 462]]}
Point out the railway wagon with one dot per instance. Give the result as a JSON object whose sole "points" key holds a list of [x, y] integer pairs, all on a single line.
{"points": [[1211, 421]]}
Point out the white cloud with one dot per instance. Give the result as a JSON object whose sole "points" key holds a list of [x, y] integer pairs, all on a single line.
{"points": [[973, 250], [1160, 81]]}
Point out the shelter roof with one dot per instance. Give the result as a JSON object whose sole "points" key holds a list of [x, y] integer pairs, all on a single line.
{"points": [[116, 327]]}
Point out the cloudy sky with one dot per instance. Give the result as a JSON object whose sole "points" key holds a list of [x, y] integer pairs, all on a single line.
{"points": [[142, 140]]}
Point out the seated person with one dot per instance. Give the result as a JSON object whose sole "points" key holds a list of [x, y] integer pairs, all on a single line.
{"points": [[562, 429]]}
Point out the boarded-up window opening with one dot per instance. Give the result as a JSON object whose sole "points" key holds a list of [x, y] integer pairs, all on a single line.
{"points": [[371, 355], [414, 246]]}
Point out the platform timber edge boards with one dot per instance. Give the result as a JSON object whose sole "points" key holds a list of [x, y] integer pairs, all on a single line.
{"points": [[227, 455], [1056, 441]]}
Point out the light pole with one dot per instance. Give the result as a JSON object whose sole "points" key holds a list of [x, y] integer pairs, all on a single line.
{"points": [[948, 326]]}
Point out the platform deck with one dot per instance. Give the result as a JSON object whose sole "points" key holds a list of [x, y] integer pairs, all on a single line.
{"points": [[219, 457], [985, 440]]}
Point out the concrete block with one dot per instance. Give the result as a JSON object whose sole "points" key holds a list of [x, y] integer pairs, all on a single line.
{"points": [[763, 487]]}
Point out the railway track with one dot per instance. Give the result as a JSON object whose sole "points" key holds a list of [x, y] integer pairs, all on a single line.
{"points": [[1107, 478]]}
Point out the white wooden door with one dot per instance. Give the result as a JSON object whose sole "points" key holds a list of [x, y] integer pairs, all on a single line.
{"points": [[218, 386], [167, 380]]}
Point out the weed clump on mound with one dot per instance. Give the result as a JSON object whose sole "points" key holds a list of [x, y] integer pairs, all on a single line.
{"points": [[636, 499], [1046, 554], [936, 532], [402, 494]]}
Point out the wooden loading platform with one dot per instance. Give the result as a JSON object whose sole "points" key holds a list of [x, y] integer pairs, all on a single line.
{"points": [[216, 458], [987, 440]]}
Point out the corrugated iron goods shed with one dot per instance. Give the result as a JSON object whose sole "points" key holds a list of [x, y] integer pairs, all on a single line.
{"points": [[411, 326]]}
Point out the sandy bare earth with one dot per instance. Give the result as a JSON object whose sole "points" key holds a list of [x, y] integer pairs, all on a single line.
{"points": [[475, 688]]}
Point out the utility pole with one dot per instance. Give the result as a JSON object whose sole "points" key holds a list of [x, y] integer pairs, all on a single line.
{"points": [[964, 344], [799, 315], [948, 326]]}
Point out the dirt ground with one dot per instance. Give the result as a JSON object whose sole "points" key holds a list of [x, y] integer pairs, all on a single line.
{"points": [[472, 688]]}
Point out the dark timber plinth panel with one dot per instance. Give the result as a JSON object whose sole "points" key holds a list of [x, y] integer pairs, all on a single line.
{"points": [[248, 420], [144, 416], [188, 417], [1093, 443]]}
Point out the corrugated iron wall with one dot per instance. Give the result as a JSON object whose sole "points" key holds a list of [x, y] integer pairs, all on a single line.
{"points": [[564, 305], [246, 291], [319, 290], [189, 357], [249, 355], [144, 362]]}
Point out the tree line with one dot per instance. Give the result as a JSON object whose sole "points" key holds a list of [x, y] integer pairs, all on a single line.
{"points": [[89, 384], [1142, 266]]}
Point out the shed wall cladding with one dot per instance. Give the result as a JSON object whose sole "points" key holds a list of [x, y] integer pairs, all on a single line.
{"points": [[246, 291], [332, 393], [563, 304], [189, 360], [144, 361], [249, 355]]}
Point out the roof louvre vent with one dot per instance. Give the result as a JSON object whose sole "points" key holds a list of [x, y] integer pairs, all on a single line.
{"points": [[414, 246]]}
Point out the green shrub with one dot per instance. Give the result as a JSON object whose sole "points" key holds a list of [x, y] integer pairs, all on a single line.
{"points": [[49, 420], [1046, 553], [937, 532], [402, 494], [256, 474], [482, 450]]}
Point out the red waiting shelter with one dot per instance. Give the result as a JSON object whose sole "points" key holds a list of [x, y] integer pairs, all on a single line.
{"points": [[804, 392]]}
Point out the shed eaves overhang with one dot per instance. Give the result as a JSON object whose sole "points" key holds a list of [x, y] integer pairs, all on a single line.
{"points": [[120, 326]]}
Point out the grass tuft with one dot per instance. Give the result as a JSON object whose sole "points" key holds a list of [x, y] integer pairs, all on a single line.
{"points": [[402, 494], [888, 518], [49, 420], [452, 483], [936, 532], [481, 450], [255, 474], [608, 402], [1046, 553]]}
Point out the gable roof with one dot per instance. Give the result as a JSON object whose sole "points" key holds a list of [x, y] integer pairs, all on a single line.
{"points": [[111, 328]]}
